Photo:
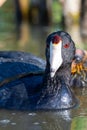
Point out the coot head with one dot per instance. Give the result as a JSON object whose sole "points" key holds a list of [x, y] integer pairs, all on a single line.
{"points": [[60, 51], [79, 55]]}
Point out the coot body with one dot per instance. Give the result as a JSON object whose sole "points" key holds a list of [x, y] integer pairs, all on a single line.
{"points": [[21, 75], [25, 83]]}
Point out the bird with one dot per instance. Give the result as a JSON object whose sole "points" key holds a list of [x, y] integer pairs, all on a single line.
{"points": [[30, 83], [79, 69]]}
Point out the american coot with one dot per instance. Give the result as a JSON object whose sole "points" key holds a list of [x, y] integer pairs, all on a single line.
{"points": [[79, 69], [25, 83]]}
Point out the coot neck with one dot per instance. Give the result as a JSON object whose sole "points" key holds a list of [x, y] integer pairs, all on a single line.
{"points": [[62, 76], [56, 92]]}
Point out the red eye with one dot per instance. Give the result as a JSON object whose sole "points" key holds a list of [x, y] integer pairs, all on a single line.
{"points": [[66, 45]]}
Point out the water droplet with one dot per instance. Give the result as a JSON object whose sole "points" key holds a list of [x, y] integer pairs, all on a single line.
{"points": [[13, 113], [36, 123], [32, 114], [5, 121], [44, 122], [13, 123]]}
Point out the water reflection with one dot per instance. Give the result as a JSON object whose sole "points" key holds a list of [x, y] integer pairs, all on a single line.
{"points": [[33, 41], [35, 121], [81, 93]]}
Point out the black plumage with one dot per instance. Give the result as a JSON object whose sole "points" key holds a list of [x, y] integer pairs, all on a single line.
{"points": [[25, 84]]}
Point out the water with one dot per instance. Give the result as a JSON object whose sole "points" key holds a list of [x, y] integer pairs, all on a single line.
{"points": [[12, 120], [42, 120], [34, 42]]}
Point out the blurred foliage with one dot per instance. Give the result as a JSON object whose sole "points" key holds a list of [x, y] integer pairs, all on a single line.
{"points": [[56, 12], [6, 17], [8, 26]]}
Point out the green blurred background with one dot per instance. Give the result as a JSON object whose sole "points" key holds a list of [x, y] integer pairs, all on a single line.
{"points": [[38, 19]]}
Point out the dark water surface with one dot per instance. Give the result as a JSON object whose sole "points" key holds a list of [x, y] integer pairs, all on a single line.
{"points": [[33, 40]]}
